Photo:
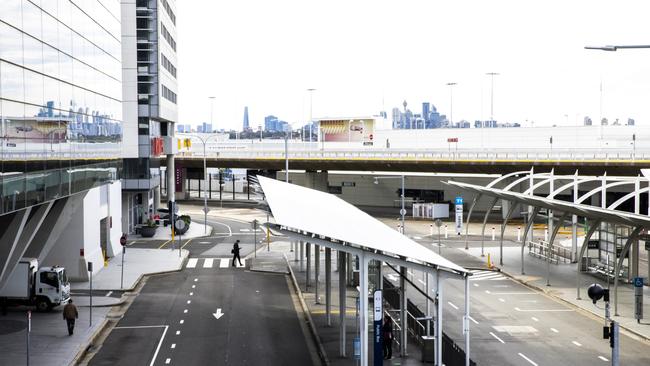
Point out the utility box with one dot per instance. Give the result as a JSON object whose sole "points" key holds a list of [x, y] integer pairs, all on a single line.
{"points": [[428, 348], [431, 210]]}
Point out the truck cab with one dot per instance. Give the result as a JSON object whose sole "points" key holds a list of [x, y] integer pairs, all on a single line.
{"points": [[51, 288]]}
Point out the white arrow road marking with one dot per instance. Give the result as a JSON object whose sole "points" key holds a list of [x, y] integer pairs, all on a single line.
{"points": [[218, 314]]}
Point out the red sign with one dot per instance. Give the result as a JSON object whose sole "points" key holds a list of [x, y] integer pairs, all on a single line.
{"points": [[452, 139], [156, 146]]}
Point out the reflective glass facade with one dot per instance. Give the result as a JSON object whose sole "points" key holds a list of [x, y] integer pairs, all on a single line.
{"points": [[60, 98]]}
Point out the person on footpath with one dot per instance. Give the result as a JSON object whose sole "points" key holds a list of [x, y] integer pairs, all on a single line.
{"points": [[70, 314], [387, 335], [235, 252]]}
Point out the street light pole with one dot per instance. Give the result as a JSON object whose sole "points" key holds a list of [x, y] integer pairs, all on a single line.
{"points": [[311, 100], [402, 197], [492, 75], [204, 141]]}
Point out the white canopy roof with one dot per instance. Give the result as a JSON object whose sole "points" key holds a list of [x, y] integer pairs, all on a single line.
{"points": [[324, 214]]}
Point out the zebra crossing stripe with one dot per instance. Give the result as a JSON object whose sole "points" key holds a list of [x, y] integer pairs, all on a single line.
{"points": [[207, 263], [243, 263], [223, 262], [191, 263]]}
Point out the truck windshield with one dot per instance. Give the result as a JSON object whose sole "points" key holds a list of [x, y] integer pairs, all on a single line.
{"points": [[63, 277]]}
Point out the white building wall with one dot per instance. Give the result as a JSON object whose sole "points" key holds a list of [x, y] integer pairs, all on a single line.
{"points": [[83, 232], [129, 81], [168, 110]]}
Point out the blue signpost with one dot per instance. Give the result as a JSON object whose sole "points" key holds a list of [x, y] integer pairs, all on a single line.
{"points": [[378, 346], [459, 214], [638, 298]]}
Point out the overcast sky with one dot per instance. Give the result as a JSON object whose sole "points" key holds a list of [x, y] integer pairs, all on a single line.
{"points": [[365, 55]]}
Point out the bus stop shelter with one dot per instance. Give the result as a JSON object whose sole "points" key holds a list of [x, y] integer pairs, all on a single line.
{"points": [[323, 219]]}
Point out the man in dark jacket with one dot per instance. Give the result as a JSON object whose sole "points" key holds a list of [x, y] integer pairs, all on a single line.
{"points": [[387, 335], [70, 313], [235, 254]]}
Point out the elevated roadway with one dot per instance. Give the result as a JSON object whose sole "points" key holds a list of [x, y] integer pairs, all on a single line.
{"points": [[590, 162]]}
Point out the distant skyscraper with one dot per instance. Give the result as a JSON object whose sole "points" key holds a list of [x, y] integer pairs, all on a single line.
{"points": [[246, 124], [425, 112], [587, 121], [271, 123]]}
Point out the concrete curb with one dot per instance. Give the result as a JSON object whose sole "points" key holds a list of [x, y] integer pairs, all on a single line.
{"points": [[572, 305], [310, 322]]}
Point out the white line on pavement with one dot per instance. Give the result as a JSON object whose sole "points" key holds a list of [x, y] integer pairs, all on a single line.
{"points": [[220, 223], [141, 326], [182, 321], [502, 300], [546, 310], [555, 330], [173, 345], [193, 286], [497, 338], [207, 263], [527, 359], [205, 242], [452, 305], [535, 319], [196, 279], [153, 360], [576, 343], [472, 319], [223, 262], [109, 293], [178, 332], [191, 293], [476, 285], [603, 358], [167, 361], [189, 301], [487, 292], [185, 311], [514, 293], [191, 263]]}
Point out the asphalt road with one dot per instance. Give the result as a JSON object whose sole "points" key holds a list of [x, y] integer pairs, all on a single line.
{"points": [[514, 325], [210, 313]]}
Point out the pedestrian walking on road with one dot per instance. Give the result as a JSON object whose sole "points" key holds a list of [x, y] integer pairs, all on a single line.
{"points": [[387, 335], [70, 314], [235, 253]]}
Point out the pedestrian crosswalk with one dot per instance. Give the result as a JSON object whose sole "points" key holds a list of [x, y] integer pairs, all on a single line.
{"points": [[483, 275], [212, 263]]}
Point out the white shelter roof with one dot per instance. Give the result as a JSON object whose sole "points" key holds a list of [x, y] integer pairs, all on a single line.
{"points": [[324, 214]]}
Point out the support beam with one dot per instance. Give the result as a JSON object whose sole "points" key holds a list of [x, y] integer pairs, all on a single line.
{"points": [[328, 286], [469, 216], [439, 321], [583, 249], [302, 256], [342, 263], [551, 241], [466, 322], [9, 240], [308, 269], [511, 210], [574, 223]]}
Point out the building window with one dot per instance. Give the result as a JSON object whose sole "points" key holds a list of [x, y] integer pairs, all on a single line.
{"points": [[168, 37], [168, 65], [168, 94], [169, 11]]}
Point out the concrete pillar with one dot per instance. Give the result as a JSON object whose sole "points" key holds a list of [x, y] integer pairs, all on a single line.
{"points": [[574, 223], [328, 286], [171, 178], [302, 257], [316, 272], [439, 320], [342, 264], [156, 199], [316, 180], [402, 311]]}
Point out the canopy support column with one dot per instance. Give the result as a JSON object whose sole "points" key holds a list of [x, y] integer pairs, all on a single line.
{"points": [[583, 249], [308, 269], [511, 210], [328, 286], [302, 256], [363, 311], [549, 252], [619, 263], [402, 311], [469, 215], [439, 321], [342, 262], [485, 218], [466, 321], [529, 227], [316, 272]]}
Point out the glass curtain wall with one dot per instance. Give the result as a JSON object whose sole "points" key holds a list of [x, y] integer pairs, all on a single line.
{"points": [[60, 98]]}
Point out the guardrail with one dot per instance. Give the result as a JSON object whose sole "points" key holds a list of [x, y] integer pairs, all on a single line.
{"points": [[493, 155], [541, 250]]}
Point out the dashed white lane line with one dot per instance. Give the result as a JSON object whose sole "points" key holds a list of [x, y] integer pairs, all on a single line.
{"points": [[223, 262], [178, 332], [502, 300], [207, 263], [472, 319], [189, 301], [555, 330], [452, 305], [603, 358], [487, 292], [109, 293], [535, 319], [476, 285], [527, 359], [173, 345], [167, 361], [182, 321], [543, 310], [576, 343], [497, 338], [185, 311], [193, 286], [196, 279], [191, 293]]}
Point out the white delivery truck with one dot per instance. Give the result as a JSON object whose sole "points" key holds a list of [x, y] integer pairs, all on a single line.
{"points": [[44, 287]]}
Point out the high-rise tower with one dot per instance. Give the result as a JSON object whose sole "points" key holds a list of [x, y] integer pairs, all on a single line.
{"points": [[246, 124]]}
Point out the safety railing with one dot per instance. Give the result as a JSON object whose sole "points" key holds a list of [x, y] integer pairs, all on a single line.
{"points": [[541, 250]]}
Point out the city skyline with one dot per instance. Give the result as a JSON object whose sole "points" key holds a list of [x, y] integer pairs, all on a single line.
{"points": [[391, 52]]}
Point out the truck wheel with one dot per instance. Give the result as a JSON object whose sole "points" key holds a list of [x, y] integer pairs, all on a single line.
{"points": [[43, 304]]}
